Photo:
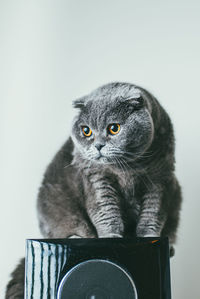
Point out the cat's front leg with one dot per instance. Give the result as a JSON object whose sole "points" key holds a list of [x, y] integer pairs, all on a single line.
{"points": [[152, 216], [103, 207]]}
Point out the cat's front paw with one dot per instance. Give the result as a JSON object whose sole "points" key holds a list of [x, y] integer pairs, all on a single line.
{"points": [[74, 237], [147, 235], [110, 236]]}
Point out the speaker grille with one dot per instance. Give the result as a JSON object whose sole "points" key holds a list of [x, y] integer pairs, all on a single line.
{"points": [[97, 279]]}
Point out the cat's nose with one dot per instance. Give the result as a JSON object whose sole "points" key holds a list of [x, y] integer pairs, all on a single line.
{"points": [[99, 146]]}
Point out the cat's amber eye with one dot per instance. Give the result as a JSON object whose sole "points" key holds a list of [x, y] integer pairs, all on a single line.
{"points": [[113, 129], [87, 132]]}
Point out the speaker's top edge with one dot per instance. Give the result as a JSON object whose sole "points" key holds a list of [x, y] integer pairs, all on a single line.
{"points": [[101, 241]]}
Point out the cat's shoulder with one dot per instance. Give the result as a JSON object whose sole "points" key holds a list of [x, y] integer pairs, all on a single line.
{"points": [[60, 161]]}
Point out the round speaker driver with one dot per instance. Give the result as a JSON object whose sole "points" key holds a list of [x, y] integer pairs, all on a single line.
{"points": [[97, 279]]}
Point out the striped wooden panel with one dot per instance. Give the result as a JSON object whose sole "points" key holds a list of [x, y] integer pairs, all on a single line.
{"points": [[44, 263]]}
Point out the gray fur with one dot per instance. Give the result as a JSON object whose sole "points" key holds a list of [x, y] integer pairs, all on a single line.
{"points": [[131, 187], [127, 187], [15, 287]]}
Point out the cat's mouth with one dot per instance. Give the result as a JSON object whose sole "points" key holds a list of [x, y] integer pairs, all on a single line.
{"points": [[100, 156], [103, 159]]}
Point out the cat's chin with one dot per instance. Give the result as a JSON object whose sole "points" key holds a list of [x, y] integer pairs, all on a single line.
{"points": [[101, 160]]}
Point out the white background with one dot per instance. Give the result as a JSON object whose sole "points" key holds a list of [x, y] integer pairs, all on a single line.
{"points": [[52, 52]]}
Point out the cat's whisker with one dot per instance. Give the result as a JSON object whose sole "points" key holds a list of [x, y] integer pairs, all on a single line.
{"points": [[121, 166], [68, 165]]}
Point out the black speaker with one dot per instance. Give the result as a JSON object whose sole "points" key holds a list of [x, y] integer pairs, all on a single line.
{"points": [[97, 269]]}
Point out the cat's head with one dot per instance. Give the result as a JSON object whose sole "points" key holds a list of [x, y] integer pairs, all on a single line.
{"points": [[114, 123]]}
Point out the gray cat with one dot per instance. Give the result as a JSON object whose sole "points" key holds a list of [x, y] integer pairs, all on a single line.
{"points": [[114, 177]]}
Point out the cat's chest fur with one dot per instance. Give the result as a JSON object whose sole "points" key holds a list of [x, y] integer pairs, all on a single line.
{"points": [[128, 189], [126, 182], [123, 182], [120, 187]]}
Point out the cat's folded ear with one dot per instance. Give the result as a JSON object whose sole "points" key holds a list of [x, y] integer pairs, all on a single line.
{"points": [[136, 102], [79, 103]]}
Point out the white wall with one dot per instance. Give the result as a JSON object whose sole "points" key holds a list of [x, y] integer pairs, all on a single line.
{"points": [[54, 51]]}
